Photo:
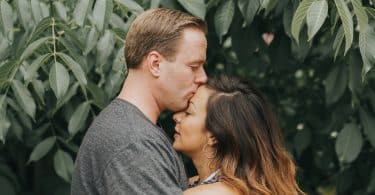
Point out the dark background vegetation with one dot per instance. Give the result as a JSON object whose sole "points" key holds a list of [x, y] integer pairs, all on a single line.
{"points": [[62, 61]]}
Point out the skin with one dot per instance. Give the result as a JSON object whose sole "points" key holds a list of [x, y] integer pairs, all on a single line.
{"points": [[194, 140], [158, 84]]}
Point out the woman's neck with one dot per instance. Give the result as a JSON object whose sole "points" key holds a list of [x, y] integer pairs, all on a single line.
{"points": [[205, 167]]}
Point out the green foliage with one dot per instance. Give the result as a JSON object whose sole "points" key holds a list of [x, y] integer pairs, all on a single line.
{"points": [[61, 62]]}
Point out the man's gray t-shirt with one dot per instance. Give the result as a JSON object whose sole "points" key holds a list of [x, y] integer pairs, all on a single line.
{"points": [[123, 152]]}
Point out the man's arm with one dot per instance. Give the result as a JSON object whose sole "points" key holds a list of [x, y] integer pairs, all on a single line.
{"points": [[140, 168]]}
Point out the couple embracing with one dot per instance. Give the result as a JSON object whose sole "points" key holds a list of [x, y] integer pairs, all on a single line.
{"points": [[223, 124]]}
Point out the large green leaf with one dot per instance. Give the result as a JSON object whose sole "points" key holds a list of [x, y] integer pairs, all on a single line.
{"points": [[78, 118], [7, 71], [349, 143], [61, 10], [368, 122], [104, 47], [40, 28], [59, 79], [133, 6], [6, 186], [75, 67], [42, 149], [33, 68], [223, 18], [355, 67], [367, 48], [4, 121], [102, 13], [91, 40], [249, 9], [316, 16], [361, 15], [302, 140], [335, 84], [63, 164], [72, 91], [347, 22], [36, 10], [81, 10], [338, 41], [24, 98], [39, 89], [6, 18], [24, 11], [196, 7], [371, 11], [33, 46], [299, 17]]}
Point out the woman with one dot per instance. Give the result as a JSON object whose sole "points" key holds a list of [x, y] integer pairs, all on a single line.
{"points": [[234, 141]]}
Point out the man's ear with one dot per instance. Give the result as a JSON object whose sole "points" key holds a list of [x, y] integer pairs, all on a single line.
{"points": [[153, 60]]}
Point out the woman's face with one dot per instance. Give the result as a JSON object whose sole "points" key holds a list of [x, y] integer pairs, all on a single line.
{"points": [[190, 134]]}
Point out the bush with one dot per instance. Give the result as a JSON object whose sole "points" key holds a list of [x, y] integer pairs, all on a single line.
{"points": [[62, 61]]}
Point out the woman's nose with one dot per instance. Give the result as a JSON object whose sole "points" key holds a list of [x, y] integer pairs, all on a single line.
{"points": [[177, 117]]}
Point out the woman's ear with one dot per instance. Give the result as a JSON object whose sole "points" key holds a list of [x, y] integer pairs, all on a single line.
{"points": [[211, 139], [153, 60]]}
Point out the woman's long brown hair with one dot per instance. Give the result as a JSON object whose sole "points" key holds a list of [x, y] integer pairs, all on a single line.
{"points": [[250, 152]]}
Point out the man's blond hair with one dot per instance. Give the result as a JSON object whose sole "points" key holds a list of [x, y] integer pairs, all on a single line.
{"points": [[158, 30]]}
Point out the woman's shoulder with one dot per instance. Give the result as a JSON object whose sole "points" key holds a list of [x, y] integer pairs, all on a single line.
{"points": [[218, 188]]}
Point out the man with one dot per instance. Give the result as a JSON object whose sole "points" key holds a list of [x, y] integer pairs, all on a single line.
{"points": [[124, 151]]}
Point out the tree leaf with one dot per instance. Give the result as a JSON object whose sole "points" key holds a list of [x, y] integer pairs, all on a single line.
{"points": [[39, 89], [4, 121], [92, 39], [32, 47], [6, 186], [299, 17], [6, 17], [99, 97], [349, 143], [24, 11], [133, 6], [72, 91], [347, 22], [355, 67], [361, 15], [338, 41], [36, 10], [104, 47], [75, 67], [63, 164], [102, 13], [40, 28], [42, 149], [195, 7], [59, 80], [248, 9], [61, 10], [366, 46], [371, 11], [33, 68], [302, 140], [24, 98], [335, 84], [316, 16], [223, 17], [368, 122], [78, 118], [81, 10]]}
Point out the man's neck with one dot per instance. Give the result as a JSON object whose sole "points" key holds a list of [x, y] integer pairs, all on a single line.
{"points": [[137, 91]]}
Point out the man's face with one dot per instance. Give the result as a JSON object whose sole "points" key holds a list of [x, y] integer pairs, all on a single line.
{"points": [[182, 77]]}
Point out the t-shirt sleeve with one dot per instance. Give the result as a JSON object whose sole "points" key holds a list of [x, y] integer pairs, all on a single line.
{"points": [[141, 168]]}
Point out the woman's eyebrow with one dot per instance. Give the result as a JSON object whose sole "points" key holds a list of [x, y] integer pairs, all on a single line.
{"points": [[193, 105]]}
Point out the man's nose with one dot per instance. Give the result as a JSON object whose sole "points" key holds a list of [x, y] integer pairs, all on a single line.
{"points": [[201, 77]]}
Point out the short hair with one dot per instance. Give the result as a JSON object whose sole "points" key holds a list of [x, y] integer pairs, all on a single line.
{"points": [[158, 29]]}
